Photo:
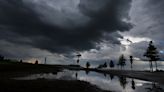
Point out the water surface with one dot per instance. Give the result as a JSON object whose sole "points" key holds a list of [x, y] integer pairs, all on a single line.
{"points": [[103, 81]]}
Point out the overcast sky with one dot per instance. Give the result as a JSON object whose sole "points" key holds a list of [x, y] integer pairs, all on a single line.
{"points": [[98, 29]]}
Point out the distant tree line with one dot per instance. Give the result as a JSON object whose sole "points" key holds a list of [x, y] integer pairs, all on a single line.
{"points": [[151, 53]]}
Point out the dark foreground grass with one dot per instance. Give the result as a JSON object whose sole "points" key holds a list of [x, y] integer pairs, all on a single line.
{"points": [[6, 66], [42, 85]]}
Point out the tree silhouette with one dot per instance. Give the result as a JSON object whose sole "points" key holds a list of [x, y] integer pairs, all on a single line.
{"points": [[111, 64], [36, 62], [121, 61], [87, 65], [103, 65], [100, 66], [78, 58], [21, 61], [152, 54]]}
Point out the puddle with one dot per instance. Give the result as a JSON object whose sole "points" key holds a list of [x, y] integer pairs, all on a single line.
{"points": [[103, 81], [64, 75]]}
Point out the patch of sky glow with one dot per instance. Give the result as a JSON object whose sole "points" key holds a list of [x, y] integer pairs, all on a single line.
{"points": [[32, 61], [162, 51], [129, 40]]}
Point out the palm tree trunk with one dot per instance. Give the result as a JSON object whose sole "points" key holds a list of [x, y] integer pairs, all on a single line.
{"points": [[131, 67]]}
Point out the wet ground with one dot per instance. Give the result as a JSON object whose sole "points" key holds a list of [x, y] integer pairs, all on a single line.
{"points": [[23, 77], [103, 81]]}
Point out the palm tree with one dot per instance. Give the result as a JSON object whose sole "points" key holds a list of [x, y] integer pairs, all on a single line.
{"points": [[121, 61], [152, 54], [78, 58]]}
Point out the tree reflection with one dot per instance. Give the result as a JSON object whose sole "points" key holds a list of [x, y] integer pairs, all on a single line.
{"points": [[87, 72], [76, 75], [154, 88], [105, 74], [123, 81], [133, 84], [111, 76]]}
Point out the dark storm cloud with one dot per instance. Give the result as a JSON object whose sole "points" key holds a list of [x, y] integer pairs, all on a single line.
{"points": [[20, 24]]}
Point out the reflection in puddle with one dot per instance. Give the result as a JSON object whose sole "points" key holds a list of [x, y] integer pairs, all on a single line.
{"points": [[154, 88], [103, 81], [64, 75]]}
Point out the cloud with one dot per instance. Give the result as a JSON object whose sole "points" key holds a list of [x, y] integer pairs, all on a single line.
{"points": [[148, 19], [62, 27]]}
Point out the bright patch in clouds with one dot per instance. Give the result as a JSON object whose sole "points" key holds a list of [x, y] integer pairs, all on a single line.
{"points": [[162, 52], [129, 40], [32, 60]]}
